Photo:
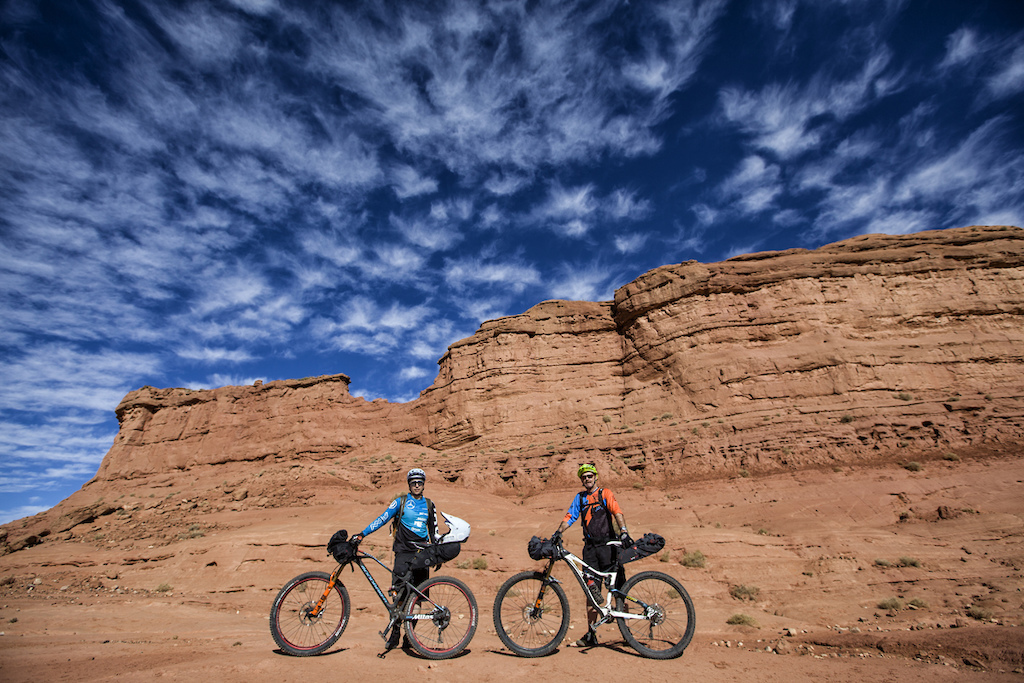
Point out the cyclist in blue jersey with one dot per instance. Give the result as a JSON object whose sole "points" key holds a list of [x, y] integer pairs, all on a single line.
{"points": [[415, 528]]}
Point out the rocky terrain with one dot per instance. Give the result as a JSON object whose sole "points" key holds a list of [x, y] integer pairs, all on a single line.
{"points": [[835, 430]]}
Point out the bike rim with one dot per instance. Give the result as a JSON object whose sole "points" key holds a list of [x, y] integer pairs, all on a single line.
{"points": [[296, 627], [451, 619], [529, 627], [668, 620]]}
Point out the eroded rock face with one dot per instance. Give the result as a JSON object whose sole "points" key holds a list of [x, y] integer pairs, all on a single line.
{"points": [[876, 345], [316, 417]]}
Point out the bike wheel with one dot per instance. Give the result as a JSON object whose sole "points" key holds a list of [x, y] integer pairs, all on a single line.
{"points": [[294, 630], [669, 619], [529, 627], [452, 621]]}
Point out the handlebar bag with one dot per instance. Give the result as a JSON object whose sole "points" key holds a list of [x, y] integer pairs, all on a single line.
{"points": [[341, 547], [540, 548]]}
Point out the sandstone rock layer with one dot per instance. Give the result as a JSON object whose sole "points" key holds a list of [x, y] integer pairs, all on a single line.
{"points": [[875, 347]]}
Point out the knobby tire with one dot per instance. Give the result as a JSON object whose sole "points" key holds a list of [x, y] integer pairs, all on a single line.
{"points": [[671, 627], [297, 634], [521, 626], [453, 622]]}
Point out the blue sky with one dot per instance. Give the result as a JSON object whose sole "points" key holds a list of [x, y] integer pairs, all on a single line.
{"points": [[206, 193]]}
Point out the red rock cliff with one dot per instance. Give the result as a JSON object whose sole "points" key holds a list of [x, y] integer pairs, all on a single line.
{"points": [[878, 344]]}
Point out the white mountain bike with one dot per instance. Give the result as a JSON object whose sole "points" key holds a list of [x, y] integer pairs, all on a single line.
{"points": [[653, 611]]}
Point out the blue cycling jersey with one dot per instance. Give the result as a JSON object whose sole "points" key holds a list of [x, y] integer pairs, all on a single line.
{"points": [[413, 517]]}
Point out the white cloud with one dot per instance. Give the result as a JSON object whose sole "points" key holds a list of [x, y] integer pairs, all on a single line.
{"points": [[585, 283], [786, 119], [1010, 79], [753, 186], [901, 222], [472, 273], [624, 205], [408, 182], [962, 46], [413, 372], [208, 354], [628, 244]]}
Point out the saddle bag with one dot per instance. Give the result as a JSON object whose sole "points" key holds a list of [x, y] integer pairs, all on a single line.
{"points": [[435, 555]]}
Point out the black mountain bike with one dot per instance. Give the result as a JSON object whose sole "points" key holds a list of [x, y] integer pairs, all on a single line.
{"points": [[311, 612], [653, 611]]}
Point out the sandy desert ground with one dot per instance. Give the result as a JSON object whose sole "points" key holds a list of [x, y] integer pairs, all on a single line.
{"points": [[179, 583]]}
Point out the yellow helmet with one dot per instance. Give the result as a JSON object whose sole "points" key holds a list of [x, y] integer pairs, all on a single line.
{"points": [[584, 468]]}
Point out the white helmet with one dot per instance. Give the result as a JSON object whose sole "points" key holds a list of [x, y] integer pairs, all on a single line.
{"points": [[458, 529]]}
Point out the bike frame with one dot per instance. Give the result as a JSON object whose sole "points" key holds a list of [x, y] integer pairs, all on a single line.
{"points": [[581, 570], [393, 607]]}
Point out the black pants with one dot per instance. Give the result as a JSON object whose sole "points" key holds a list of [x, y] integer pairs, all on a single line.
{"points": [[402, 562], [603, 558]]}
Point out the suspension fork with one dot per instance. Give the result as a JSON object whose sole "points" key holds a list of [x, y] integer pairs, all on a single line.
{"points": [[546, 579], [318, 607]]}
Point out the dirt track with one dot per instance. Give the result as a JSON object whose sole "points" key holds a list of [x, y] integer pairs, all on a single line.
{"points": [[823, 548]]}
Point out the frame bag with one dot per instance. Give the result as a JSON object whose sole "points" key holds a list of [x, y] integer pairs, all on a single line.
{"points": [[648, 545]]}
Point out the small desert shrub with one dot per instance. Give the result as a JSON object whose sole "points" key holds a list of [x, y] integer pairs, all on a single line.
{"points": [[909, 562], [694, 559], [979, 613], [882, 563], [741, 620], [904, 396], [163, 588], [462, 564], [846, 419], [891, 604], [491, 532], [913, 466], [763, 532], [951, 457], [744, 473], [918, 603], [479, 563], [742, 592], [665, 557]]}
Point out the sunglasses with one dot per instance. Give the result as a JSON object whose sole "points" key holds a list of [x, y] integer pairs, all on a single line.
{"points": [[589, 475]]}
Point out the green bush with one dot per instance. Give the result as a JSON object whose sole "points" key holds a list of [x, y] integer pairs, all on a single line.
{"points": [[882, 563], [741, 620], [891, 604], [694, 559], [742, 592], [909, 562], [479, 563], [979, 613], [913, 466]]}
